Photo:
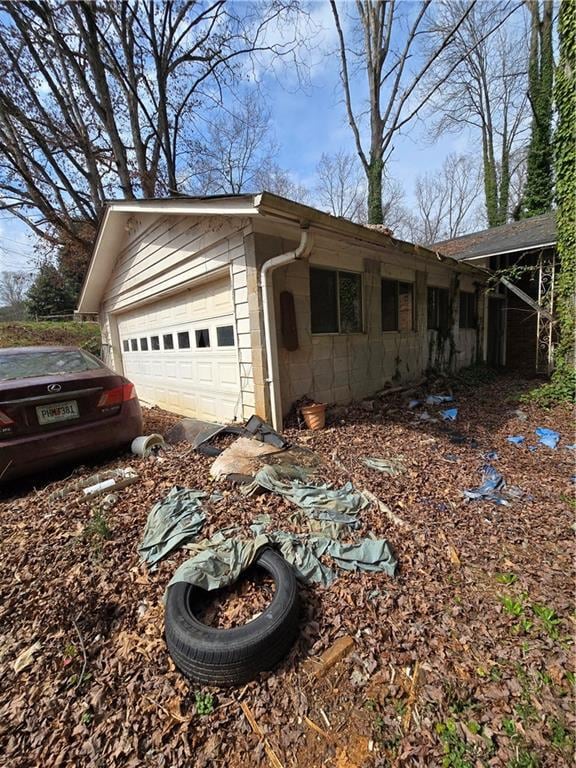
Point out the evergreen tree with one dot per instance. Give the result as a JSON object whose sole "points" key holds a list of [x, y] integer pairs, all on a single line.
{"points": [[51, 293]]}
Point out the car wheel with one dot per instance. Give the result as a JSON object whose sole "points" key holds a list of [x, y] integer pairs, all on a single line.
{"points": [[233, 656]]}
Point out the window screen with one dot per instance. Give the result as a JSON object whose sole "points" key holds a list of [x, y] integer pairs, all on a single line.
{"points": [[155, 342], [183, 340], [203, 338], [350, 290], [225, 336], [467, 310], [144, 344], [134, 345], [168, 340], [125, 345]]}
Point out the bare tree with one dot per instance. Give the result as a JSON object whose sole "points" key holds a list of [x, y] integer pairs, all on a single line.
{"points": [[13, 289], [236, 148], [396, 45], [97, 100], [341, 186], [447, 201], [485, 91]]}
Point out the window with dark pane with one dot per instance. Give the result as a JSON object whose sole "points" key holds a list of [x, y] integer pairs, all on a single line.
{"points": [[225, 336], [134, 345], [323, 300], [203, 338], [144, 344], [438, 309], [183, 340], [350, 291], [125, 345], [168, 341], [389, 305], [155, 342], [444, 310], [467, 310]]}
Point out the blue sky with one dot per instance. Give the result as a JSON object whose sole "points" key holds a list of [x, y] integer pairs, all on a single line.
{"points": [[307, 122]]}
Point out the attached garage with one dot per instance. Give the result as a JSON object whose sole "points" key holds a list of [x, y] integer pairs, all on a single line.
{"points": [[181, 354], [223, 307]]}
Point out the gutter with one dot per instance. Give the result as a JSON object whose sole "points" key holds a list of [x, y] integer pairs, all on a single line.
{"points": [[270, 328]]}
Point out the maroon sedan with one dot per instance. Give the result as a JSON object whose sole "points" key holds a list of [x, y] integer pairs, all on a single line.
{"points": [[60, 404]]}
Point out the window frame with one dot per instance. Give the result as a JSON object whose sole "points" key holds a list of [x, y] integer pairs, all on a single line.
{"points": [[178, 339], [223, 327], [337, 272], [397, 283], [164, 337]]}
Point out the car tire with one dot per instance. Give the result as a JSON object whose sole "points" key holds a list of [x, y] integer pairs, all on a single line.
{"points": [[233, 656]]}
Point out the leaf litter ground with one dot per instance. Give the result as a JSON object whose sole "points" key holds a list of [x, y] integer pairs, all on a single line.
{"points": [[465, 659]]}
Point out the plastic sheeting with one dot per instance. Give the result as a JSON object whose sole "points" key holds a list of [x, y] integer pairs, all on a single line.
{"points": [[548, 437], [217, 562], [450, 414], [320, 501], [494, 489], [386, 466], [172, 522]]}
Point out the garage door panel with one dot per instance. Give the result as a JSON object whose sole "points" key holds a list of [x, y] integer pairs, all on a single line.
{"points": [[199, 381]]}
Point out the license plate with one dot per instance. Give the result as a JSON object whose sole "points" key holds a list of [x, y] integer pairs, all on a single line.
{"points": [[48, 414]]}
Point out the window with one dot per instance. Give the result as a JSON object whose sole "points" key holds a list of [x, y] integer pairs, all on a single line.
{"points": [[438, 309], [155, 342], [467, 310], [125, 345], [397, 306], [203, 338], [144, 344], [225, 336], [335, 301], [183, 340], [134, 345], [168, 341]]}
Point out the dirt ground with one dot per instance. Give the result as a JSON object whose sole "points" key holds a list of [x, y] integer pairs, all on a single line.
{"points": [[464, 659]]}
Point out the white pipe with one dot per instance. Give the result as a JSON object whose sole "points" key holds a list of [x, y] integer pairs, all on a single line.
{"points": [[270, 331]]}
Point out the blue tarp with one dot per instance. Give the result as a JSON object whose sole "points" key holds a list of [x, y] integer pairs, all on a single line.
{"points": [[548, 437]]}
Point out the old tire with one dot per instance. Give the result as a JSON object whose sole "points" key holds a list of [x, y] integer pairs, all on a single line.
{"points": [[233, 656]]}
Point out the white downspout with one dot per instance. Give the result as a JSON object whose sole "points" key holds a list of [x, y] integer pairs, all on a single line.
{"points": [[270, 331]]}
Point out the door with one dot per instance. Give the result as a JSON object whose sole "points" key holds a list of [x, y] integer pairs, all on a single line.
{"points": [[180, 352]]}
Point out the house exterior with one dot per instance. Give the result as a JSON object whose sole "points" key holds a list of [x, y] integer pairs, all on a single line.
{"points": [[221, 307], [519, 328]]}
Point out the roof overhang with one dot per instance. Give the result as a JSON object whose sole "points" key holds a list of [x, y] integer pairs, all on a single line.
{"points": [[115, 223], [522, 249]]}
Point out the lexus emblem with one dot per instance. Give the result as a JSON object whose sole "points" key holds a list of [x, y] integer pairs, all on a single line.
{"points": [[54, 387]]}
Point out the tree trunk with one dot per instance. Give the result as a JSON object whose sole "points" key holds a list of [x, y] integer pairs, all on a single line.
{"points": [[539, 183], [375, 173]]}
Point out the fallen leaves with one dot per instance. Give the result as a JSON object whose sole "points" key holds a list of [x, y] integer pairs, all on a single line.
{"points": [[502, 679]]}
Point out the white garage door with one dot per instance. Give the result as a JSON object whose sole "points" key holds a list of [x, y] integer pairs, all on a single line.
{"points": [[180, 352]]}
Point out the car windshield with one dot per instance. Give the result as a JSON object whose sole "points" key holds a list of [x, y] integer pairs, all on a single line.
{"points": [[25, 365]]}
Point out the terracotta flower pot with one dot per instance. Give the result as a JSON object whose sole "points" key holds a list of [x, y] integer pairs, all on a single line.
{"points": [[314, 415]]}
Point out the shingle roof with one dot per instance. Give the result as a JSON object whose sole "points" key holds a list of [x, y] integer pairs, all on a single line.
{"points": [[518, 236]]}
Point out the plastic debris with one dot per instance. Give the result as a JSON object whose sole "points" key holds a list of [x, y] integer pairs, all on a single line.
{"points": [[490, 455], [219, 561], [450, 414], [292, 482], [438, 399], [26, 657], [146, 445], [120, 479], [548, 437], [516, 439], [414, 403], [494, 489], [570, 447], [172, 522], [386, 466]]}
